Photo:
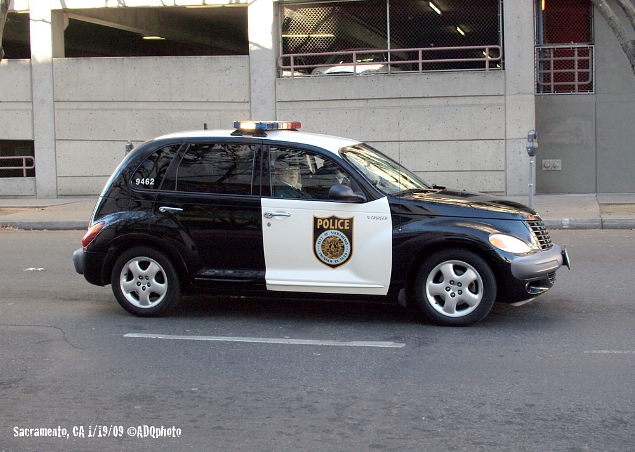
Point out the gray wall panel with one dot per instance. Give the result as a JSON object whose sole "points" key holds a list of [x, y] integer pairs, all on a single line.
{"points": [[566, 131], [615, 147]]}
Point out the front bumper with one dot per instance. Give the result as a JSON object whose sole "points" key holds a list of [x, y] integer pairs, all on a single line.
{"points": [[540, 264]]}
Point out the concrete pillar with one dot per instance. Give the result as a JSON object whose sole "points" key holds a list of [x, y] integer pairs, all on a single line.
{"points": [[262, 59], [43, 99], [520, 104], [59, 22]]}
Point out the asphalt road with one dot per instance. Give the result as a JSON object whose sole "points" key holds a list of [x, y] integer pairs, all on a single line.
{"points": [[557, 374]]}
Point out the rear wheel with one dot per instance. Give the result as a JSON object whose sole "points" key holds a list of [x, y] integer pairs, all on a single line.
{"points": [[145, 282], [455, 288]]}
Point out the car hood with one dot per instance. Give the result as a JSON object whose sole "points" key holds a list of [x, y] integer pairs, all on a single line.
{"points": [[456, 203]]}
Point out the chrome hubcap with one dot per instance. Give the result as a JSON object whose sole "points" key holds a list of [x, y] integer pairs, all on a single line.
{"points": [[454, 288], [143, 282]]}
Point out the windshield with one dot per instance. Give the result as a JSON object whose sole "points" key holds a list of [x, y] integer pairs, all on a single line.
{"points": [[388, 176]]}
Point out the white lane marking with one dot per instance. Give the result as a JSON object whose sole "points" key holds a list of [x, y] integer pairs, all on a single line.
{"points": [[265, 340], [611, 352]]}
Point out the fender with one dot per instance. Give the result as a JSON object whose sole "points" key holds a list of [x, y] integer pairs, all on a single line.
{"points": [[416, 240]]}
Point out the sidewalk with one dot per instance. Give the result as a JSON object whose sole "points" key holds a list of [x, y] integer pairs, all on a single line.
{"points": [[592, 211], [52, 214]]}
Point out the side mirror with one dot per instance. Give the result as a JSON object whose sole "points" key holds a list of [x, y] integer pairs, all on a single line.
{"points": [[345, 194]]}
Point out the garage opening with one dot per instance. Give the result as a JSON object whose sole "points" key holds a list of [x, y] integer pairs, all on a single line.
{"points": [[15, 38], [165, 31], [390, 36], [17, 158]]}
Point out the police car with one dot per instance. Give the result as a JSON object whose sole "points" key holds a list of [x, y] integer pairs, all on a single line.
{"points": [[266, 209]]}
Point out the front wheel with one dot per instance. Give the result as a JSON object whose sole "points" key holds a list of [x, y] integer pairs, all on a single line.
{"points": [[145, 282], [455, 288]]}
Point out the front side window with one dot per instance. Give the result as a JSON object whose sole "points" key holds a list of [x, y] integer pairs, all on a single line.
{"points": [[388, 176], [221, 168], [303, 174]]}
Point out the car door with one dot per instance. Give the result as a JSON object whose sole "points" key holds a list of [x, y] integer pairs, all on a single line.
{"points": [[314, 244], [211, 207]]}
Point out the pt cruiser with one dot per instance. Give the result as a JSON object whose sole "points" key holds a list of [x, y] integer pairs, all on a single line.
{"points": [[265, 208]]}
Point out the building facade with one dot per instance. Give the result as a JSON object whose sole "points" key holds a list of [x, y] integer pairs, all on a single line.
{"points": [[94, 75]]}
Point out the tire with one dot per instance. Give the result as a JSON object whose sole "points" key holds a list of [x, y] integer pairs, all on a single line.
{"points": [[455, 288], [145, 282]]}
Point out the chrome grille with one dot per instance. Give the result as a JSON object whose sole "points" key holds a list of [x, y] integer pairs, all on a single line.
{"points": [[542, 234]]}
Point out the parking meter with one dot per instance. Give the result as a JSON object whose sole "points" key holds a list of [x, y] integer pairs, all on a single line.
{"points": [[532, 143], [532, 147]]}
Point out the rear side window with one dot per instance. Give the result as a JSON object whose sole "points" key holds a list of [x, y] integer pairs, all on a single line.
{"points": [[151, 172], [221, 168]]}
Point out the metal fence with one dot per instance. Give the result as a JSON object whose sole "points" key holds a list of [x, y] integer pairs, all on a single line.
{"points": [[363, 62], [565, 69], [403, 34], [565, 57], [16, 166]]}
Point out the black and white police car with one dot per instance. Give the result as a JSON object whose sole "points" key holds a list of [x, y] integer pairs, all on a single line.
{"points": [[267, 209]]}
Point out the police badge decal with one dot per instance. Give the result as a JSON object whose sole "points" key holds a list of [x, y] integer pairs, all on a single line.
{"points": [[333, 240]]}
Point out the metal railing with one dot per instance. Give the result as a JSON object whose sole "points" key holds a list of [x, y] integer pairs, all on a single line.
{"points": [[20, 166], [394, 60], [565, 69]]}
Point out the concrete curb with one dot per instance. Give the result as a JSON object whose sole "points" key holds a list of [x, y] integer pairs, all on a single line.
{"points": [[618, 223], [573, 223], [46, 225], [590, 223]]}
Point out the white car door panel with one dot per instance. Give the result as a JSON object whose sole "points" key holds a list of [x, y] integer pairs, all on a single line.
{"points": [[327, 247]]}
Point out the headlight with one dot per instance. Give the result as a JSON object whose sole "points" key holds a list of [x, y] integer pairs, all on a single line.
{"points": [[509, 244]]}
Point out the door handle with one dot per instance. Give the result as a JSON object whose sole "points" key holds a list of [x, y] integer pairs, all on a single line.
{"points": [[276, 214], [172, 210]]}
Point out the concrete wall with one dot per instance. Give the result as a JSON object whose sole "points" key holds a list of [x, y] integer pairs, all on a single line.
{"points": [[466, 130], [461, 129], [591, 133], [101, 103], [566, 131], [519, 91], [16, 113], [615, 112], [447, 127], [81, 112], [16, 108]]}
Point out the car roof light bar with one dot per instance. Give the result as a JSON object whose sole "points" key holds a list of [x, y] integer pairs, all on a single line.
{"points": [[247, 126]]}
